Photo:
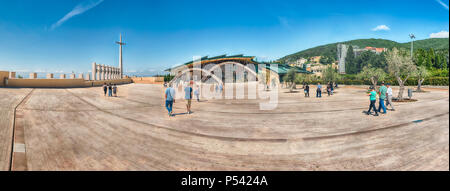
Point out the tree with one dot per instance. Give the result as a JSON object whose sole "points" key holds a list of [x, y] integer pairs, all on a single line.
{"points": [[330, 75], [290, 78], [373, 74], [421, 73], [326, 60], [401, 66], [350, 61]]}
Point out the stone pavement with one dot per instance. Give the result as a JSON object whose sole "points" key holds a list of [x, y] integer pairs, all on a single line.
{"points": [[80, 129]]}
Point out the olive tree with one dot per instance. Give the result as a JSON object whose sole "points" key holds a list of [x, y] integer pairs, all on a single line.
{"points": [[290, 78], [373, 74], [330, 75], [401, 66], [421, 73]]}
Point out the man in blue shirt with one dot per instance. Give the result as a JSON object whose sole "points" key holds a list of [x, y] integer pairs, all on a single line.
{"points": [[170, 99], [188, 97]]}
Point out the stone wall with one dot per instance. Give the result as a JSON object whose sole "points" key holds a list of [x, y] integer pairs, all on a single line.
{"points": [[60, 83], [148, 80], [3, 76]]}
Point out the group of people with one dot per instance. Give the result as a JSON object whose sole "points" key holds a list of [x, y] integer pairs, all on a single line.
{"points": [[110, 89], [384, 94], [330, 89], [188, 96]]}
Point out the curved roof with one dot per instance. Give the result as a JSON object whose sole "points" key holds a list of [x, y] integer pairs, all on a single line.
{"points": [[282, 68]]}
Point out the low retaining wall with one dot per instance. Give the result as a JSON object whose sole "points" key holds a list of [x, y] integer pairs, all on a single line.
{"points": [[60, 83], [3, 76], [148, 80]]}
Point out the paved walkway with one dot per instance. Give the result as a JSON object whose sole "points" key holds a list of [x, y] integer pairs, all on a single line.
{"points": [[80, 129]]}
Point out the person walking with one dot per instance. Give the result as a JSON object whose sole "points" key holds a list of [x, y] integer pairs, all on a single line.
{"points": [[319, 91], [307, 90], [170, 99], [105, 88], [188, 97], [373, 101], [382, 93], [389, 97], [115, 90], [110, 90], [329, 89], [197, 93], [332, 88]]}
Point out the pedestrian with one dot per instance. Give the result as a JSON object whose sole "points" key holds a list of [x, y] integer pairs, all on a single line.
{"points": [[319, 91], [332, 88], [115, 90], [170, 99], [382, 92], [110, 90], [373, 101], [329, 89], [307, 90], [188, 97], [389, 97], [197, 93], [105, 88]]}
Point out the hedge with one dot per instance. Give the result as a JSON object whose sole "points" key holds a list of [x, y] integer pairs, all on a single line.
{"points": [[434, 81]]}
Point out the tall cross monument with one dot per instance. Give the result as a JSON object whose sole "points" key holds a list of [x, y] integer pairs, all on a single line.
{"points": [[120, 56]]}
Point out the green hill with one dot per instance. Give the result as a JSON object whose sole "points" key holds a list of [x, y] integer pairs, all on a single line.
{"points": [[330, 50]]}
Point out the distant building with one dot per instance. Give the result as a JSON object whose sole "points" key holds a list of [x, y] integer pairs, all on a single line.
{"points": [[318, 68], [375, 50], [315, 59], [299, 63]]}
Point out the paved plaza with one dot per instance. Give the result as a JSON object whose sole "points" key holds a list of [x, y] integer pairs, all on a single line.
{"points": [[80, 129]]}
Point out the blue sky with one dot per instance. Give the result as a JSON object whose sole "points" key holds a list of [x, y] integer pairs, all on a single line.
{"points": [[68, 35]]}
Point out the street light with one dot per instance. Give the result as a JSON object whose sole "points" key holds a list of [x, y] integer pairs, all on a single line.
{"points": [[412, 36]]}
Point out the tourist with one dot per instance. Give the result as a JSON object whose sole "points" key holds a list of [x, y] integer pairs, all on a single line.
{"points": [[188, 97], [105, 88], [329, 89], [373, 101], [307, 90], [110, 90], [332, 88], [197, 93], [319, 91], [170, 99], [382, 92], [389, 97], [221, 88], [115, 90]]}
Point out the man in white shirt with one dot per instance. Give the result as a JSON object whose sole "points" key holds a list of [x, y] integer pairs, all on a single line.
{"points": [[389, 97]]}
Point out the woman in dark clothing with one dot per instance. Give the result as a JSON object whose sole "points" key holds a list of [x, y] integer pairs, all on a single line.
{"points": [[115, 90], [307, 90], [105, 88]]}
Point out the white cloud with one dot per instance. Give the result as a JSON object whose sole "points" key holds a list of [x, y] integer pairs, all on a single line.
{"points": [[381, 28], [78, 10], [442, 34], [443, 4]]}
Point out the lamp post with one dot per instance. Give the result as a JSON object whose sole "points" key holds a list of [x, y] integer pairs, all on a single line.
{"points": [[412, 36]]}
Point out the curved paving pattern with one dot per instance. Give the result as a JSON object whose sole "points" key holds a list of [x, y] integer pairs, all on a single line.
{"points": [[80, 129]]}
